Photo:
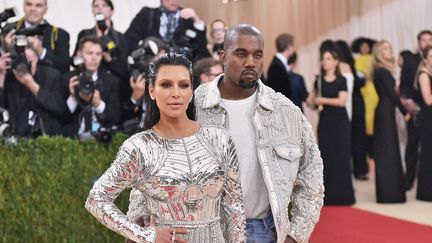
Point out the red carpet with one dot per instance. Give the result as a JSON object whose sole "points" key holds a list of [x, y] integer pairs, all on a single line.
{"points": [[349, 225]]}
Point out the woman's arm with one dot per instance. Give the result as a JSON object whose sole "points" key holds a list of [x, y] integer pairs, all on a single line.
{"points": [[340, 101], [425, 88], [233, 215], [123, 173]]}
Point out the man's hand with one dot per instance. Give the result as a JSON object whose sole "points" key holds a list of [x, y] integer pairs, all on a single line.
{"points": [[73, 81], [10, 40], [97, 100], [27, 80], [138, 87], [5, 63], [188, 13], [107, 56], [37, 44]]}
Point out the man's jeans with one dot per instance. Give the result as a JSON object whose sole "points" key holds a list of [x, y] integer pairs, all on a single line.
{"points": [[260, 230]]}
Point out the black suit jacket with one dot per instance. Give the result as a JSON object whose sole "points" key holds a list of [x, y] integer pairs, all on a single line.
{"points": [[57, 46], [147, 23], [47, 104], [298, 88], [278, 77], [409, 69], [109, 94]]}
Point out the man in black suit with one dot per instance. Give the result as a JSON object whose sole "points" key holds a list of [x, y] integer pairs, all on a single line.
{"points": [[412, 98], [299, 92], [90, 94], [32, 95], [53, 49], [178, 27], [277, 74]]}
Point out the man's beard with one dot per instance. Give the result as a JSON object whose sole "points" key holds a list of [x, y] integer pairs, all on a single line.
{"points": [[247, 85]]}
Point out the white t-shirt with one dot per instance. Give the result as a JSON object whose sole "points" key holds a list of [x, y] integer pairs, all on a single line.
{"points": [[242, 132]]}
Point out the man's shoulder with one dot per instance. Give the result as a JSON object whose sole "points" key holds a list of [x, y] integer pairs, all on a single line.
{"points": [[201, 92], [279, 100], [48, 71], [146, 11]]}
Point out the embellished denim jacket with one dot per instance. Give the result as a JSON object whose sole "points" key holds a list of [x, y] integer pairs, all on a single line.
{"points": [[287, 152]]}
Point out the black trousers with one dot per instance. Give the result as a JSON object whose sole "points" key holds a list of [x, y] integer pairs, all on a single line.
{"points": [[412, 151]]}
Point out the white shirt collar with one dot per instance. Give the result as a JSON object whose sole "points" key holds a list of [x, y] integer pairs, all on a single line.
{"points": [[284, 60]]}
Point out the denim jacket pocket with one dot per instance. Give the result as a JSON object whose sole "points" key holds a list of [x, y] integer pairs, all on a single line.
{"points": [[287, 158]]}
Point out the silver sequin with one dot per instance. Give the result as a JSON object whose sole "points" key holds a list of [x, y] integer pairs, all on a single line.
{"points": [[191, 183]]}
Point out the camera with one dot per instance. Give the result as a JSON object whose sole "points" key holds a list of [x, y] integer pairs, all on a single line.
{"points": [[105, 134], [183, 45], [19, 60], [140, 58], [7, 14], [6, 131], [33, 31], [108, 44], [87, 85]]}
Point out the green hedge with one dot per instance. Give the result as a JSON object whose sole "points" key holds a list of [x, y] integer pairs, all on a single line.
{"points": [[43, 187]]}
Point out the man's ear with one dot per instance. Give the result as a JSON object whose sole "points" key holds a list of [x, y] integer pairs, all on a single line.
{"points": [[203, 78], [223, 58]]}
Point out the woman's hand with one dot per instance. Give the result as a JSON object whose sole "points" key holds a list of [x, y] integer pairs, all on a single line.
{"points": [[168, 235]]}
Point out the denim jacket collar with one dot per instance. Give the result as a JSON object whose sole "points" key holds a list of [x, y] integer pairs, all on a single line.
{"points": [[214, 98]]}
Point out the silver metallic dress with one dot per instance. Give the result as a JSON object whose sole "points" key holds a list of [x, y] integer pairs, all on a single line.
{"points": [[191, 183]]}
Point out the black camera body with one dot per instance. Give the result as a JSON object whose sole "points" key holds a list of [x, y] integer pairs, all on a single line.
{"points": [[6, 131], [86, 85], [141, 57], [108, 43], [33, 31], [18, 57], [7, 14], [105, 134]]}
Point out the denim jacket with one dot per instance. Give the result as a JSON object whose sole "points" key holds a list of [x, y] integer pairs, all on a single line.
{"points": [[287, 152]]}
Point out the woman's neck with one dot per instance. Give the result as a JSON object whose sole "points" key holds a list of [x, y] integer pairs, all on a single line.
{"points": [[330, 75], [175, 128]]}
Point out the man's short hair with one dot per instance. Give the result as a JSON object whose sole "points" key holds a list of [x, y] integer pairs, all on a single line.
{"points": [[423, 32], [89, 38], [283, 41], [241, 29], [204, 65]]}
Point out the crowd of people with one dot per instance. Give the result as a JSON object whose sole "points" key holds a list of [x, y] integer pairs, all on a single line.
{"points": [[99, 89], [125, 82]]}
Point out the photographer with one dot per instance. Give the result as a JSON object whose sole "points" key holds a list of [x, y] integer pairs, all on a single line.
{"points": [[180, 28], [91, 94], [133, 109], [115, 44], [32, 94], [53, 49], [4, 66]]}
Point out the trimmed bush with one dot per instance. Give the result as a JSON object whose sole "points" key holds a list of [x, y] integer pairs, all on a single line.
{"points": [[43, 187]]}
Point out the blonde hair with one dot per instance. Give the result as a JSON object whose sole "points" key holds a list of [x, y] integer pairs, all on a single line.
{"points": [[378, 60]]}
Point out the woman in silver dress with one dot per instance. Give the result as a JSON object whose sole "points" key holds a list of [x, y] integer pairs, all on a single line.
{"points": [[187, 174]]}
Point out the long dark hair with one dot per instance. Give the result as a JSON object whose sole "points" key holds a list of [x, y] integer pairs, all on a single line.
{"points": [[152, 114]]}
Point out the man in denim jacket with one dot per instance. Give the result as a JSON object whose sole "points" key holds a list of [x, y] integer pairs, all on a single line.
{"points": [[279, 159]]}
